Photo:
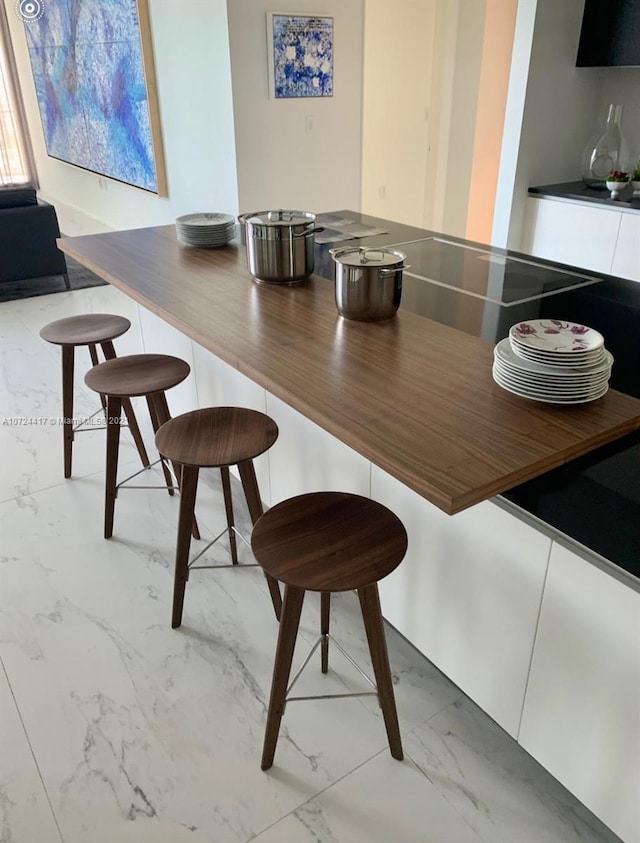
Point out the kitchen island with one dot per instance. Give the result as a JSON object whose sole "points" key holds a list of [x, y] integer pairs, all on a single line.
{"points": [[407, 412], [412, 395]]}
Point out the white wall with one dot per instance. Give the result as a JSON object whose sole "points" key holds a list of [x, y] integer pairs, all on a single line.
{"points": [[622, 85], [296, 153], [194, 88], [463, 109], [398, 59]]}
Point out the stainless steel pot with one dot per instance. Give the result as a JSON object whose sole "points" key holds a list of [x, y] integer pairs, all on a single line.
{"points": [[368, 282], [280, 245]]}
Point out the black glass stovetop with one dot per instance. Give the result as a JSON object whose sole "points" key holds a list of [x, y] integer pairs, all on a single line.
{"points": [[502, 279]]}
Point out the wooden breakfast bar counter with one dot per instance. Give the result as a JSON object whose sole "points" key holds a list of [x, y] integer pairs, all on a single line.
{"points": [[413, 396], [526, 620]]}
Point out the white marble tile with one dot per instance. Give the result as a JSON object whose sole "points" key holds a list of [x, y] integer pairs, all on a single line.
{"points": [[39, 310], [141, 731], [383, 800], [25, 813], [500, 790]]}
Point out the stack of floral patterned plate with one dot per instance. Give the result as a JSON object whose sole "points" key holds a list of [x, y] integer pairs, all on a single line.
{"points": [[554, 361], [207, 230]]}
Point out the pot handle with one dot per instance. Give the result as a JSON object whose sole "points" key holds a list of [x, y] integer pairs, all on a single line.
{"points": [[364, 253], [384, 271], [335, 253], [313, 230]]}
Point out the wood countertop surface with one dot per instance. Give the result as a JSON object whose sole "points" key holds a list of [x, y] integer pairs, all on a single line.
{"points": [[413, 396]]}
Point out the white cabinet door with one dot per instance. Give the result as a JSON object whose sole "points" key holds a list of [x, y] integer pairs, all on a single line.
{"points": [[626, 261], [308, 459], [219, 384], [109, 299], [582, 710], [468, 594], [571, 232], [158, 337]]}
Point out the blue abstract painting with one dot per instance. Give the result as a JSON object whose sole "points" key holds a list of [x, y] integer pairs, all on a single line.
{"points": [[87, 62], [302, 56]]}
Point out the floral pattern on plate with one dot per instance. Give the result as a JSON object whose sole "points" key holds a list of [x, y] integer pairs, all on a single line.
{"points": [[556, 336]]}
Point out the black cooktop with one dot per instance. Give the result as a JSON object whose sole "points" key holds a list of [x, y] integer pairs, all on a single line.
{"points": [[502, 279]]}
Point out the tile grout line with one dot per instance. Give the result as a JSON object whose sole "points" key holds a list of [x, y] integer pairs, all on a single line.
{"points": [[33, 755], [319, 793]]}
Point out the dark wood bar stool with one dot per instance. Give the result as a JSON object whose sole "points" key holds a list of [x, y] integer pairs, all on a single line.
{"points": [[92, 330], [119, 380], [329, 541], [215, 437]]}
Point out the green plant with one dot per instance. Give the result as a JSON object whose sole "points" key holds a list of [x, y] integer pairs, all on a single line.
{"points": [[618, 175], [635, 173]]}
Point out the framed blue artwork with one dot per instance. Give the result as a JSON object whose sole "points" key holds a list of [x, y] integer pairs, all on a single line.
{"points": [[300, 51], [93, 71]]}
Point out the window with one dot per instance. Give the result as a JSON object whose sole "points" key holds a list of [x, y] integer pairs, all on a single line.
{"points": [[16, 160]]}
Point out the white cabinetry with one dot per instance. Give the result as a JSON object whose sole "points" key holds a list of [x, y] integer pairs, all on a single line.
{"points": [[626, 261], [571, 232], [581, 717], [158, 337], [468, 594], [308, 459]]}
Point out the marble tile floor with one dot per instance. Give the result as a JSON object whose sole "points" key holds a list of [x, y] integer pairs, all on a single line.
{"points": [[114, 728]]}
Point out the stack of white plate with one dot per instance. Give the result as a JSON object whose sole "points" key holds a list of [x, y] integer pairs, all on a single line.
{"points": [[553, 361], [207, 230]]}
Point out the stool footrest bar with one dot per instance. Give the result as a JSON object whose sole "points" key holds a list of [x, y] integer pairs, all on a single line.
{"points": [[330, 637], [211, 543]]}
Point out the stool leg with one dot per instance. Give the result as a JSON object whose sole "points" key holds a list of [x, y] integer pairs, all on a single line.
{"points": [[372, 617], [325, 606], [156, 423], [67, 406], [188, 487], [228, 505], [109, 353], [93, 353], [254, 504], [163, 415], [114, 408], [289, 622]]}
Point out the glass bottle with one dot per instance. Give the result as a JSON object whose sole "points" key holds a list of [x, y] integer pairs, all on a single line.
{"points": [[605, 152]]}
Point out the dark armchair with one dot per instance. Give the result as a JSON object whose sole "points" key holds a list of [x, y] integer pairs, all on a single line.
{"points": [[28, 232]]}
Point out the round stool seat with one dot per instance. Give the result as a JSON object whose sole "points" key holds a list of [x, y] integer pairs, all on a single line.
{"points": [[329, 541], [137, 374], [89, 328], [216, 436]]}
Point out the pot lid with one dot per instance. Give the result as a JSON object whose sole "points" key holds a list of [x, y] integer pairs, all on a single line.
{"points": [[361, 256], [279, 218]]}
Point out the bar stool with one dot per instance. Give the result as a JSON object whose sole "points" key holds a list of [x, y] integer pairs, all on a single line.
{"points": [[215, 437], [119, 380], [91, 329], [329, 541]]}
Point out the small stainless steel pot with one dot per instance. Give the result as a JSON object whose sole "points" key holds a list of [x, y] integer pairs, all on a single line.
{"points": [[368, 282], [280, 245]]}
